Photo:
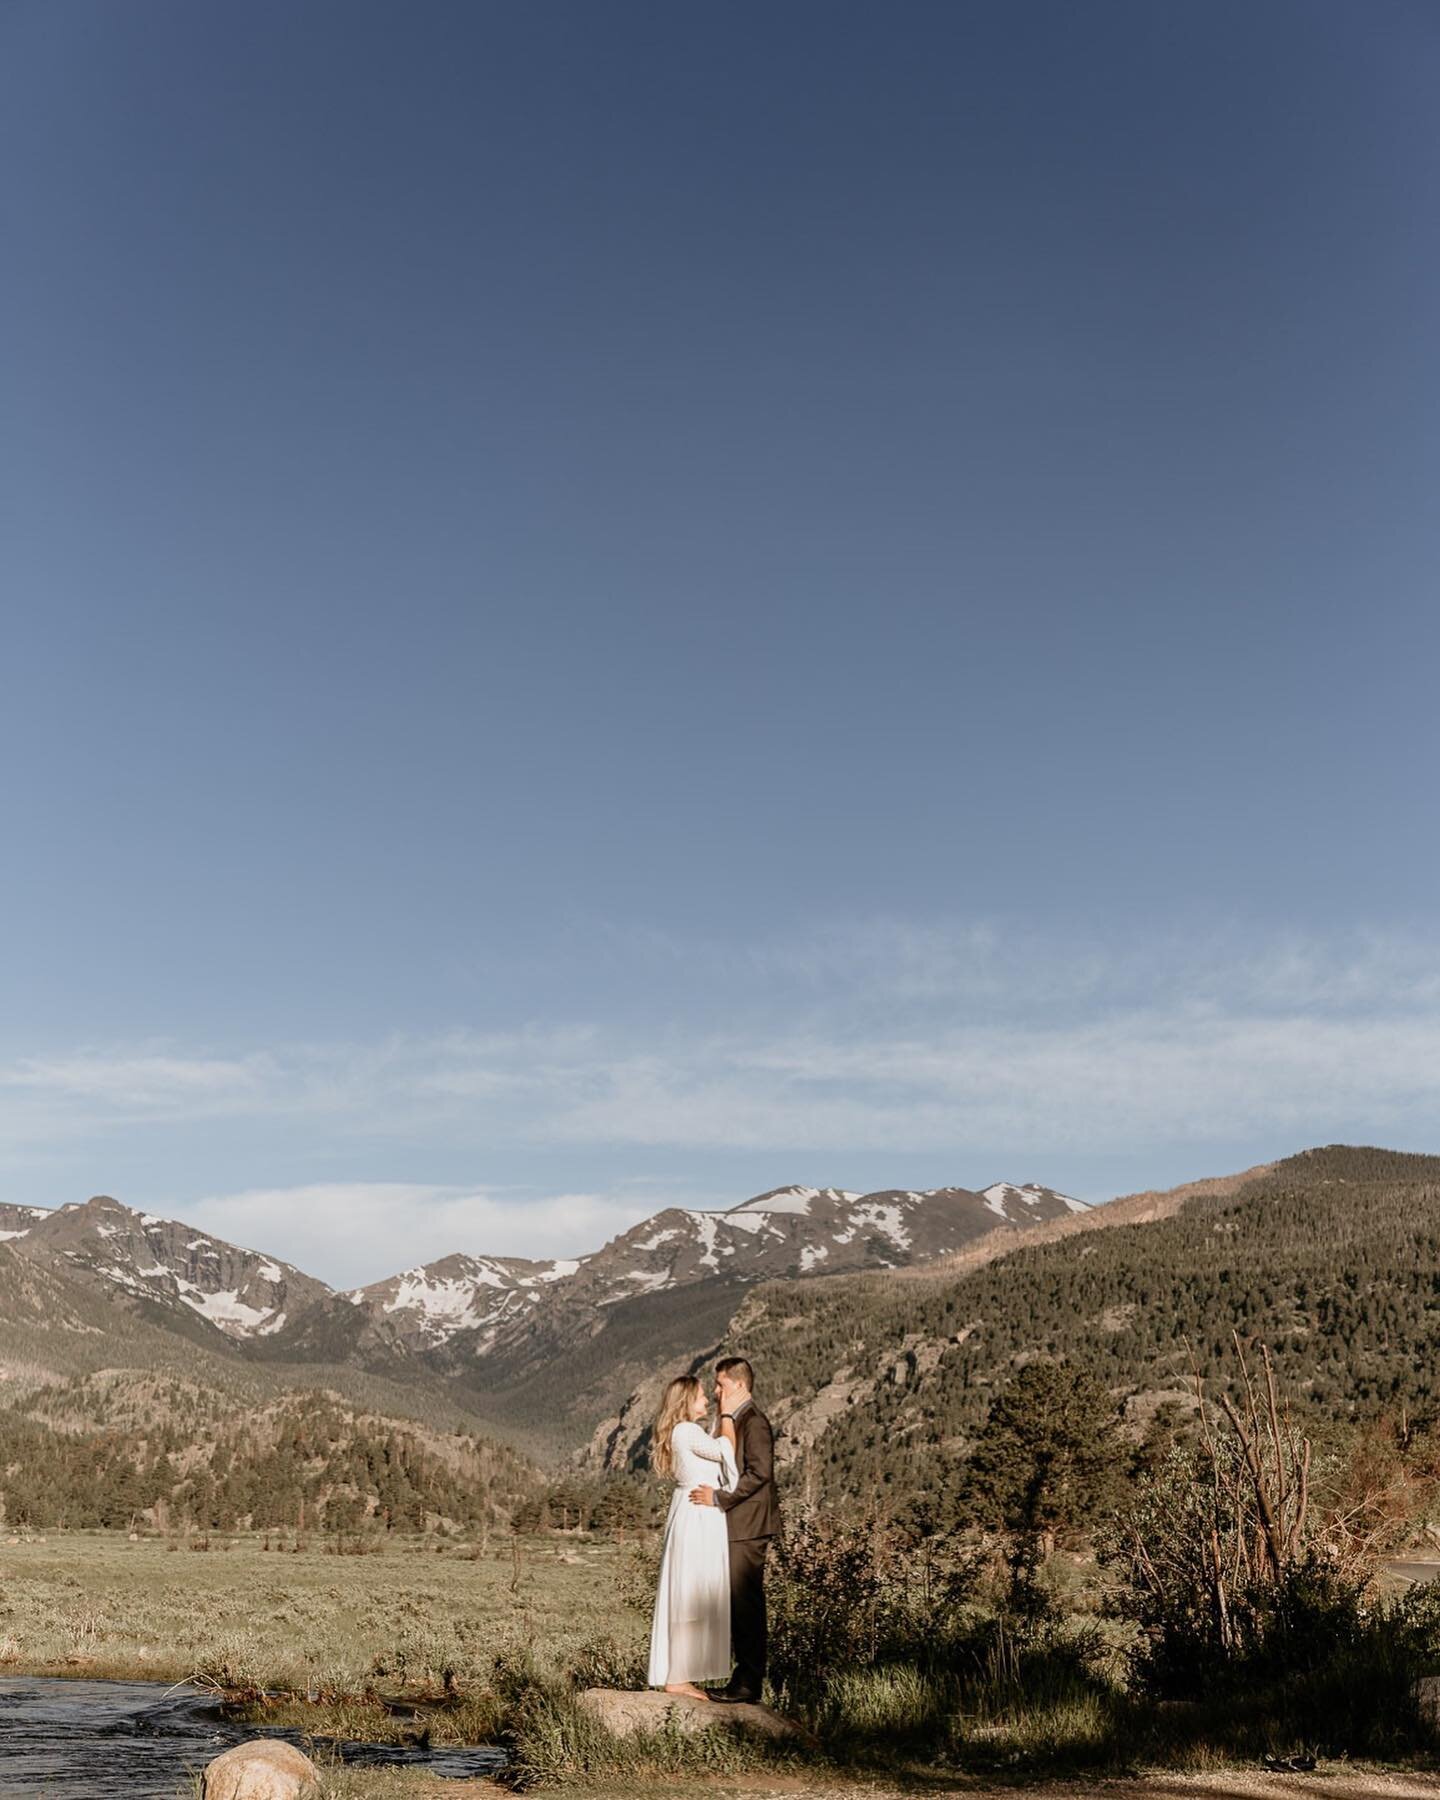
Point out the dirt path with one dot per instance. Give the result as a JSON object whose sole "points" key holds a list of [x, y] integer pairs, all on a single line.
{"points": [[1336, 1781]]}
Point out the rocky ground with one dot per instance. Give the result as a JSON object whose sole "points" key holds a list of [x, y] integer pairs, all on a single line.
{"points": [[1337, 1781]]}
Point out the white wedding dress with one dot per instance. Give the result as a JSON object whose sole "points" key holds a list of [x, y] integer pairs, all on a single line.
{"points": [[690, 1638]]}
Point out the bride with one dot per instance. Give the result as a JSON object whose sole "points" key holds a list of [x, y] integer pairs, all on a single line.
{"points": [[690, 1638]]}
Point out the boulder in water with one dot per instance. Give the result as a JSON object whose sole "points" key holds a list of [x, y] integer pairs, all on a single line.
{"points": [[623, 1714], [262, 1769]]}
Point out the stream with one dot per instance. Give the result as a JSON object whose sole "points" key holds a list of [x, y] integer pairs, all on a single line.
{"points": [[74, 1740]]}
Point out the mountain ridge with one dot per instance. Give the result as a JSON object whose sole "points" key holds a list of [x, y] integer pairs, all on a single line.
{"points": [[542, 1347], [247, 1294]]}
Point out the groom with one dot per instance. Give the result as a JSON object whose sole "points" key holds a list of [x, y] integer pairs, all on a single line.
{"points": [[752, 1518]]}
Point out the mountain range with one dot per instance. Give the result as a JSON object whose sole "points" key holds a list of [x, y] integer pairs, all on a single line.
{"points": [[487, 1328], [200, 1280]]}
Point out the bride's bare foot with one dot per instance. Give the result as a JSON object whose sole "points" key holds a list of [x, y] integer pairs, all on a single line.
{"points": [[687, 1689]]}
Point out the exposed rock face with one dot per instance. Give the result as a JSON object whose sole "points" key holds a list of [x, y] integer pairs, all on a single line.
{"points": [[426, 1306], [614, 1441], [623, 1714], [16, 1221], [806, 1231], [263, 1769], [242, 1293]]}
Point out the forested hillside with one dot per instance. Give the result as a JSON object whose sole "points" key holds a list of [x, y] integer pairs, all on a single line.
{"points": [[110, 1452], [1331, 1257], [110, 1414]]}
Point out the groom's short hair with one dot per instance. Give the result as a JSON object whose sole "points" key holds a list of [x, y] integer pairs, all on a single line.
{"points": [[738, 1369]]}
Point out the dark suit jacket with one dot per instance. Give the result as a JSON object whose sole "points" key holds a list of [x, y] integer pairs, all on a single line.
{"points": [[752, 1507]]}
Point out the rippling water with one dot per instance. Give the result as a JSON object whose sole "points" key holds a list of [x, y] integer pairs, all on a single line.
{"points": [[76, 1740]]}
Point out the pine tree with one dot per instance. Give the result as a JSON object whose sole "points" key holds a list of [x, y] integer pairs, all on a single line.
{"points": [[1050, 1455]]}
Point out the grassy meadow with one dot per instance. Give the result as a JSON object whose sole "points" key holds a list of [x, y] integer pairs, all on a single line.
{"points": [[102, 1606], [489, 1644]]}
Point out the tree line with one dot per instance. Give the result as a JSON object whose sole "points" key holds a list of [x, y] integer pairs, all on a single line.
{"points": [[309, 1464]]}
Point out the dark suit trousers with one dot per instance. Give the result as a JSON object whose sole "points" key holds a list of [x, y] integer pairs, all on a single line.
{"points": [[747, 1611]]}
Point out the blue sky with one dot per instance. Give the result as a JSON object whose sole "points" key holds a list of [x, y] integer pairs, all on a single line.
{"points": [[606, 605]]}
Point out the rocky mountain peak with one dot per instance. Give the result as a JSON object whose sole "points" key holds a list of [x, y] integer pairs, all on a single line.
{"points": [[17, 1221], [165, 1263], [428, 1305], [1030, 1204], [793, 1200]]}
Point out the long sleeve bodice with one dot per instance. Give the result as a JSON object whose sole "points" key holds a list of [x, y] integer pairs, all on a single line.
{"points": [[701, 1460]]}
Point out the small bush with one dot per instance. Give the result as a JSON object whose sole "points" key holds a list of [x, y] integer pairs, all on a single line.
{"points": [[849, 1594], [602, 1662], [425, 1654], [515, 1674], [1200, 1633], [638, 1576]]}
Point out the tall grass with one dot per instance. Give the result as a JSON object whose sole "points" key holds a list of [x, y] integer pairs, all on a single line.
{"points": [[553, 1739]]}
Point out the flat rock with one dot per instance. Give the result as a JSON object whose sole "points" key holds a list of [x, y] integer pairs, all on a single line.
{"points": [[623, 1713], [262, 1769]]}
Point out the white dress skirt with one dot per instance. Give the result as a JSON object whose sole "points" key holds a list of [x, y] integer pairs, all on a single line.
{"points": [[690, 1636]]}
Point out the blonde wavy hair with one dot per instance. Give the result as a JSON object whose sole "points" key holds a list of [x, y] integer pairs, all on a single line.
{"points": [[675, 1407]]}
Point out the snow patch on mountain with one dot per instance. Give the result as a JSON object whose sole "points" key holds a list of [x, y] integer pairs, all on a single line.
{"points": [[561, 1269], [647, 1280], [887, 1220], [417, 1292], [797, 1200], [749, 1222], [1004, 1197], [225, 1308]]}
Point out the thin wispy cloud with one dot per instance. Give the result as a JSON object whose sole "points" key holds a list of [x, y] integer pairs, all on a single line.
{"points": [[905, 1039], [887, 1043], [140, 1081]]}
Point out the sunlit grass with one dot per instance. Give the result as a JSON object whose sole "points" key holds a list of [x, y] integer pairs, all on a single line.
{"points": [[102, 1607]]}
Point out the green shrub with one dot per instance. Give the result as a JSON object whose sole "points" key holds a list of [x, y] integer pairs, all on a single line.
{"points": [[602, 1662], [515, 1674], [847, 1594], [638, 1576]]}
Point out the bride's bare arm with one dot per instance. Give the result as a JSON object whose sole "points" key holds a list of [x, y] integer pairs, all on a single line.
{"points": [[727, 1431]]}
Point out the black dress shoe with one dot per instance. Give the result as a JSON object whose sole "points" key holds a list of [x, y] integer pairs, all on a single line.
{"points": [[736, 1696]]}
